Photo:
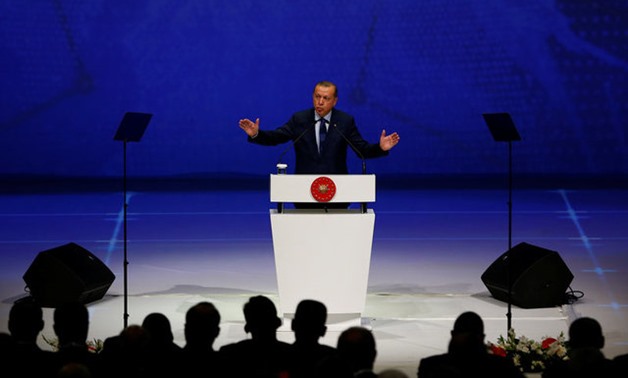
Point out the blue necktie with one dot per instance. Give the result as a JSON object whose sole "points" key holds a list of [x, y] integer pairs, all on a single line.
{"points": [[322, 133]]}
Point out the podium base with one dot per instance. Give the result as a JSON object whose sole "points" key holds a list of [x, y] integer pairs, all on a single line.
{"points": [[323, 256]]}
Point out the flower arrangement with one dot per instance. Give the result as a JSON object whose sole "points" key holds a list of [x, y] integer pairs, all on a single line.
{"points": [[94, 345], [530, 355]]}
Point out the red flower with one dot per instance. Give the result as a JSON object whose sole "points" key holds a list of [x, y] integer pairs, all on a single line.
{"points": [[547, 343], [498, 351]]}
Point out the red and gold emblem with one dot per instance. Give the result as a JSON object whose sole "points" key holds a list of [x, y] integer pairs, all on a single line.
{"points": [[323, 189]]}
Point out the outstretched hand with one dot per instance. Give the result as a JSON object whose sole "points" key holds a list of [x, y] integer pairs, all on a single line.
{"points": [[386, 142], [250, 128]]}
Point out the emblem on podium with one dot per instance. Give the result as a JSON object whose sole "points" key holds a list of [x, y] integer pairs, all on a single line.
{"points": [[323, 189]]}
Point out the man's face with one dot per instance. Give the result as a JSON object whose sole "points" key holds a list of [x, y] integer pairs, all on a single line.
{"points": [[324, 99]]}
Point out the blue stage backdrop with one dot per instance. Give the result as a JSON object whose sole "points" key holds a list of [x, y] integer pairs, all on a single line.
{"points": [[427, 69]]}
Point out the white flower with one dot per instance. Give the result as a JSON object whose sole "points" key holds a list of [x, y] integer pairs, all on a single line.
{"points": [[530, 355]]}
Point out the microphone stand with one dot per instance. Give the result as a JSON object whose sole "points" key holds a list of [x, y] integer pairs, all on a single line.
{"points": [[363, 207], [281, 167]]}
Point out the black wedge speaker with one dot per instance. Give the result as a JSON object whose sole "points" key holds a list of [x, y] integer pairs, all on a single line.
{"points": [[539, 277], [68, 273]]}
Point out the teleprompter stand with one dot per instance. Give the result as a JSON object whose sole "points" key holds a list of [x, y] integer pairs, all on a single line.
{"points": [[503, 129], [131, 129]]}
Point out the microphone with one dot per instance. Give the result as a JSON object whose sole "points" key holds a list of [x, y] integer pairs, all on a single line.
{"points": [[363, 204], [353, 148], [280, 165]]}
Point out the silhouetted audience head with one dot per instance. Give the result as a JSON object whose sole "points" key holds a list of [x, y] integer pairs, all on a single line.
{"points": [[71, 323], [130, 344], [158, 327], [261, 317], [467, 334], [392, 373], [621, 362], [309, 320], [26, 321], [134, 338], [124, 355], [356, 347], [202, 325], [469, 322], [74, 370], [586, 333]]}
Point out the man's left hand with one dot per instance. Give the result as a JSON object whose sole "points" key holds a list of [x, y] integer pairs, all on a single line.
{"points": [[386, 142]]}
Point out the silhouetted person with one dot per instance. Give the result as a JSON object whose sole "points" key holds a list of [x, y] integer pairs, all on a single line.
{"points": [[8, 355], [392, 373], [71, 325], [356, 346], [163, 355], [262, 355], [26, 321], [202, 327], [309, 326], [621, 362], [584, 349], [125, 355], [7, 344], [74, 370], [467, 354], [355, 356]]}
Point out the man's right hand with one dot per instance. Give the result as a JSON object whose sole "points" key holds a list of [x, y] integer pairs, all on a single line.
{"points": [[250, 128]]}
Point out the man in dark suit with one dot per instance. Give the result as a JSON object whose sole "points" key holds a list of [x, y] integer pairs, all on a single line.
{"points": [[312, 156], [321, 135]]}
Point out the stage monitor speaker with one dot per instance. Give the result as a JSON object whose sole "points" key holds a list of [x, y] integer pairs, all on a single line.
{"points": [[539, 277], [68, 273]]}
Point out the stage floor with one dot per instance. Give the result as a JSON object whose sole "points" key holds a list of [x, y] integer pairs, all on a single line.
{"points": [[430, 249]]}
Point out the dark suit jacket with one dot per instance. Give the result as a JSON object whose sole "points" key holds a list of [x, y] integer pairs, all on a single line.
{"points": [[251, 358], [584, 362], [479, 365], [301, 131]]}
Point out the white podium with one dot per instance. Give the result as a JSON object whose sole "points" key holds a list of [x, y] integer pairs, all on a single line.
{"points": [[323, 254]]}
